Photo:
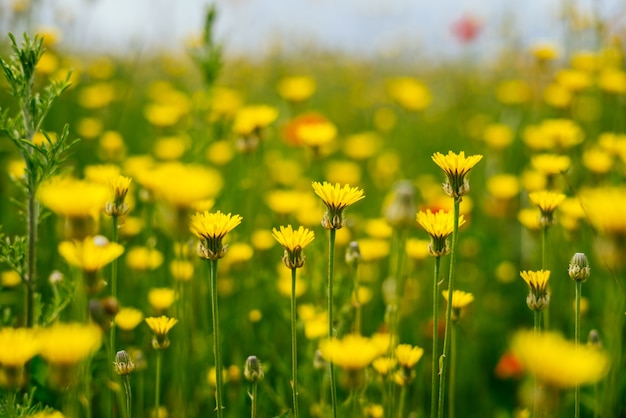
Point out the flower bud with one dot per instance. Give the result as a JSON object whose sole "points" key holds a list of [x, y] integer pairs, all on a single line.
{"points": [[353, 254], [401, 211], [579, 268], [253, 370], [123, 364]]}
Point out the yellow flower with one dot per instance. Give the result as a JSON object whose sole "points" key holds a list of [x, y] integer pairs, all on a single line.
{"points": [[613, 81], [19, 345], [169, 148], [498, 136], [160, 326], [439, 226], [127, 319], [101, 173], [557, 96], [10, 278], [252, 118], [296, 88], [161, 298], [597, 160], [374, 411], [181, 270], [529, 217], [336, 199], [544, 52], [352, 352], [456, 167], [417, 249], [574, 80], [293, 242], [503, 186], [119, 185], [111, 146], [89, 128], [410, 93], [605, 208], [225, 102], [316, 326], [547, 202], [460, 301], [343, 172], [556, 361], [383, 365], [538, 293], [73, 198], [144, 258], [318, 134], [220, 152], [211, 228], [67, 344], [284, 202], [513, 92], [262, 239], [47, 414], [362, 146], [408, 355], [91, 254], [96, 96], [373, 249]]}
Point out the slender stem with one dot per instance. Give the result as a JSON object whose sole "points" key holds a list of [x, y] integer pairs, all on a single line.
{"points": [[112, 331], [537, 329], [253, 396], [402, 401], [453, 337], [129, 396], [537, 321], [544, 266], [294, 345], [357, 302], [579, 288], [216, 339], [434, 365], [331, 273], [157, 387], [446, 340], [31, 258]]}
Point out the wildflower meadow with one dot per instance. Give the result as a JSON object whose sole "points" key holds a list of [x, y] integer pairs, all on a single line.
{"points": [[313, 234]]}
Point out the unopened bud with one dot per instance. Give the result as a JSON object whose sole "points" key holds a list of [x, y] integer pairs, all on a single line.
{"points": [[123, 364], [401, 211], [353, 254], [253, 370], [594, 339], [579, 268]]}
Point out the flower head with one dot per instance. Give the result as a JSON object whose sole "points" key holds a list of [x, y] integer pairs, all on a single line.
{"points": [[547, 202], [296, 88], [123, 363], [18, 346], [579, 268], [161, 298], [456, 167], [336, 199], [538, 292], [408, 355], [67, 344], [211, 228], [127, 319], [293, 242], [558, 362], [253, 369], [118, 185], [460, 301], [161, 326], [439, 226], [352, 352]]}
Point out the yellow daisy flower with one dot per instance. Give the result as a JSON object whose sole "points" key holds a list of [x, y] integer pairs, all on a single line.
{"points": [[336, 199], [547, 202], [91, 254], [439, 226], [538, 292], [211, 228], [293, 242], [456, 167], [352, 352], [160, 326]]}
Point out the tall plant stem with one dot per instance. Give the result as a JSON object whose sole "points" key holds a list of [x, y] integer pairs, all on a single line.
{"points": [[253, 396], [112, 331], [157, 387], [402, 401], [579, 288], [31, 258], [331, 278], [446, 341], [453, 355], [294, 345], [544, 266], [537, 330], [129, 396], [434, 365], [216, 339]]}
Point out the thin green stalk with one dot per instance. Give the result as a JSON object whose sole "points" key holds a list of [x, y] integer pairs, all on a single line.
{"points": [[544, 266], [253, 398], [112, 331], [434, 365], [331, 274], [453, 355], [579, 288], [31, 259], [157, 386], [216, 339], [402, 401], [537, 329], [357, 302], [446, 340], [129, 396], [294, 345]]}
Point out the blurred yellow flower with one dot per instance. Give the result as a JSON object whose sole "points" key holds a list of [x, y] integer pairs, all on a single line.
{"points": [[96, 96], [89, 127], [417, 249], [73, 198], [559, 362], [168, 148], [318, 134], [225, 102], [383, 365], [19, 345], [605, 208], [181, 270], [67, 344], [587, 61], [529, 217], [544, 51], [296, 88], [573, 80], [262, 239], [557, 96], [101, 173], [111, 146], [220, 152], [460, 299], [251, 118], [373, 249], [513, 92], [239, 252], [550, 164], [597, 160], [16, 169], [160, 327], [91, 254], [385, 119], [410, 93], [352, 352], [612, 81], [378, 228], [162, 115], [498, 136], [284, 286], [48, 63], [408, 355], [345, 172], [316, 326], [284, 202], [161, 298], [546, 201], [374, 411], [144, 258], [533, 181], [10, 279], [181, 185], [127, 319], [503, 186], [362, 146]]}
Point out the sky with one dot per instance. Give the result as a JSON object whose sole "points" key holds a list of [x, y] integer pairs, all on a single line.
{"points": [[252, 27]]}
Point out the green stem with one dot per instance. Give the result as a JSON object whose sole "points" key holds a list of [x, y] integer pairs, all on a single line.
{"points": [[129, 396], [357, 302], [31, 259], [157, 386], [434, 365], [294, 345], [331, 273], [453, 355], [253, 397], [544, 266], [112, 331], [446, 340], [216, 339], [537, 330], [402, 401], [579, 288]]}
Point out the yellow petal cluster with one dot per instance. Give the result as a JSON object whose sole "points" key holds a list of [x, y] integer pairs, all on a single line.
{"points": [[66, 344], [336, 197], [438, 225], [352, 352], [292, 240], [408, 355], [90, 254]]}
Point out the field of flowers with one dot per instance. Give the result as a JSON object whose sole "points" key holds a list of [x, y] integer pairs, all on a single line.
{"points": [[194, 236]]}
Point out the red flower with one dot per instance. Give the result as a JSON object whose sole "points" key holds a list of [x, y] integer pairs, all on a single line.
{"points": [[467, 28]]}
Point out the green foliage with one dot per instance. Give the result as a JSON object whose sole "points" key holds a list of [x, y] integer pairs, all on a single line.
{"points": [[209, 55], [13, 253], [11, 408]]}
